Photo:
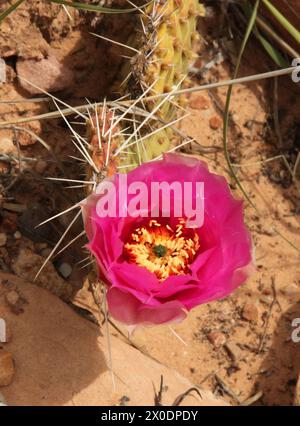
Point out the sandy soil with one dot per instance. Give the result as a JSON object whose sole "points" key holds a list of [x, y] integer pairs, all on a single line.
{"points": [[238, 347]]}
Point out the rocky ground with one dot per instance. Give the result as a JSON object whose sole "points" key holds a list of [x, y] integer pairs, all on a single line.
{"points": [[238, 348]]}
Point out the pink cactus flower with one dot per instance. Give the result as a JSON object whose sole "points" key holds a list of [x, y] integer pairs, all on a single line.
{"points": [[156, 269]]}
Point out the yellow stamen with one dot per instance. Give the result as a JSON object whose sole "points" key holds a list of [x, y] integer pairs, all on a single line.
{"points": [[162, 250]]}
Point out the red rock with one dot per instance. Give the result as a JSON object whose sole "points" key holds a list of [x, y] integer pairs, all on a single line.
{"points": [[25, 138], [199, 102], [215, 122], [47, 74], [217, 338], [250, 312]]}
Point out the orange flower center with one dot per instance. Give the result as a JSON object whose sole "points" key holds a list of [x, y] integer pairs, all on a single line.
{"points": [[161, 249]]}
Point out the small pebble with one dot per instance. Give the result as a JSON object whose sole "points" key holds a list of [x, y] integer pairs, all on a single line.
{"points": [[12, 297], [7, 146], [235, 117], [217, 339], [65, 270], [3, 239], [124, 400], [223, 317], [250, 312], [215, 122], [17, 235]]}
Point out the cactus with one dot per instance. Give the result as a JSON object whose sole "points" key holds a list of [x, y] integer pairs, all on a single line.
{"points": [[105, 137], [169, 30], [165, 47], [165, 50]]}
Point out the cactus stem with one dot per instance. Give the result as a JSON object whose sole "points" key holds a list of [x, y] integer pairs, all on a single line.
{"points": [[148, 118], [175, 148], [167, 125], [131, 107]]}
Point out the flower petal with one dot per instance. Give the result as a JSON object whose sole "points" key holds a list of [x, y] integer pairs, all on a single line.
{"points": [[124, 307]]}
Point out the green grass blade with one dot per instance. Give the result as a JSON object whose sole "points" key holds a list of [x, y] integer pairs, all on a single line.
{"points": [[10, 9], [93, 8], [271, 50], [249, 29], [282, 20]]}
